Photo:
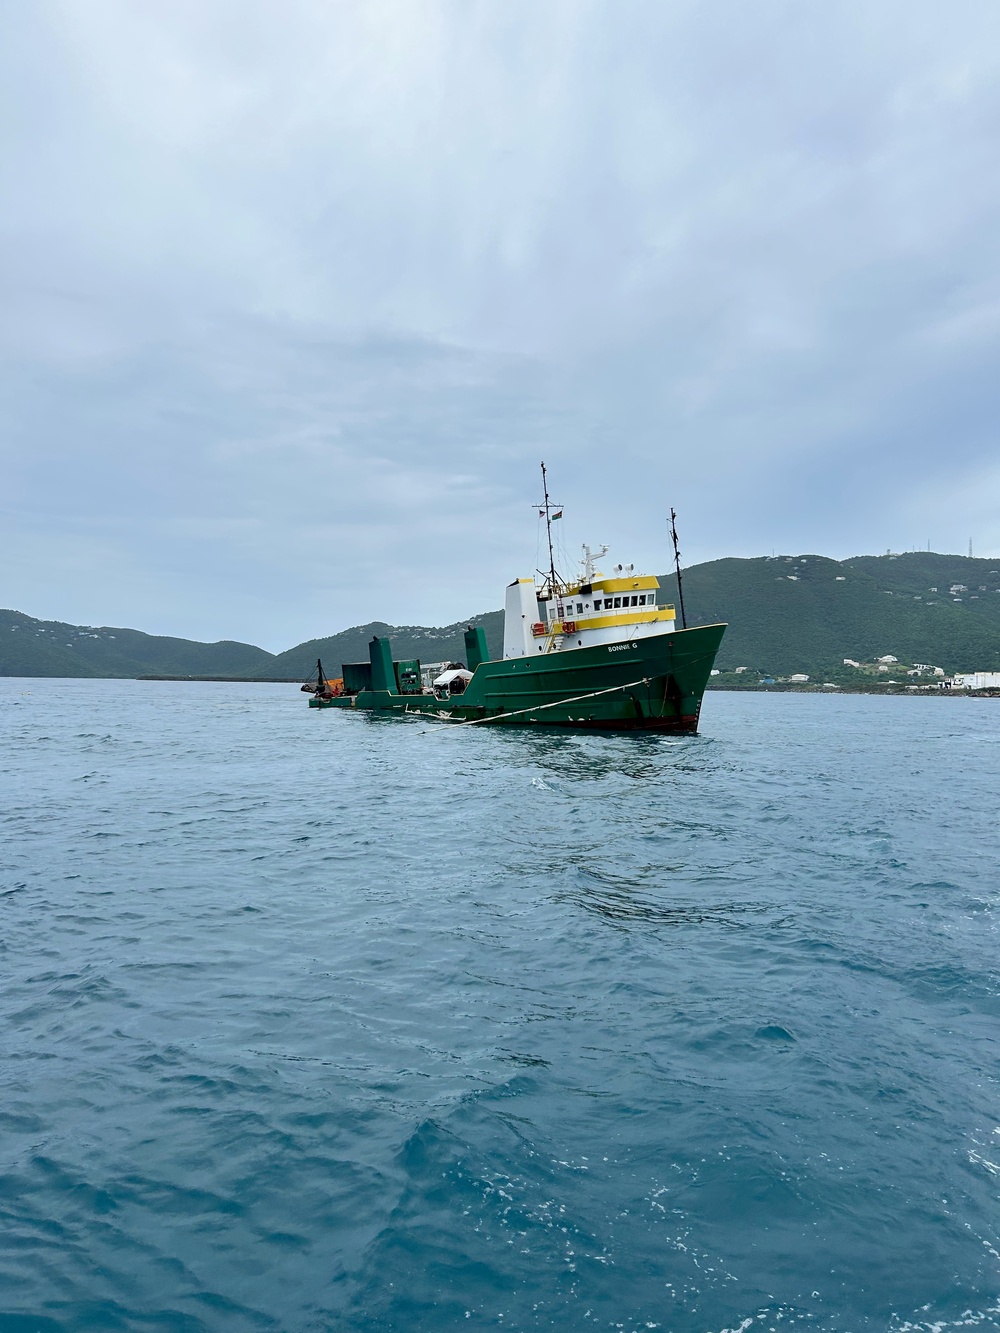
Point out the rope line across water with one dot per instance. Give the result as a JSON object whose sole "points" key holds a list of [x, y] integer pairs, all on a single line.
{"points": [[559, 703]]}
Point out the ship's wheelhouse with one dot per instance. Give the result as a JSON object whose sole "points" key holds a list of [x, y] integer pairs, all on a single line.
{"points": [[583, 614]]}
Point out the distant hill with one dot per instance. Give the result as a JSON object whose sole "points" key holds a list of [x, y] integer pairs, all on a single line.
{"points": [[351, 645], [807, 613], [785, 614], [30, 647]]}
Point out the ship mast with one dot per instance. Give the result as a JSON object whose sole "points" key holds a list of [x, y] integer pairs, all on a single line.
{"points": [[677, 564], [548, 529]]}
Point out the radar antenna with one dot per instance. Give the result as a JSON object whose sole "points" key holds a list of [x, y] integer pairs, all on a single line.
{"points": [[589, 559]]}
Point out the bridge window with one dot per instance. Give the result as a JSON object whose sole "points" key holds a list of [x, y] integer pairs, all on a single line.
{"points": [[579, 608], [618, 602], [607, 603], [635, 601], [642, 599]]}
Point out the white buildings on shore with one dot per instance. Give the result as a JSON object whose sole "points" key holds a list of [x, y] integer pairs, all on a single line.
{"points": [[976, 680]]}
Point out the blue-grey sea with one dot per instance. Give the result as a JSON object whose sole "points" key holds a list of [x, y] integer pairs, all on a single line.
{"points": [[314, 1021]]}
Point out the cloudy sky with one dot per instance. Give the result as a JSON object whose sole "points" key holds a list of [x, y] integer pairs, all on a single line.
{"points": [[294, 296]]}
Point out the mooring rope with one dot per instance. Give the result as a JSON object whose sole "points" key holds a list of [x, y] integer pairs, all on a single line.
{"points": [[537, 708]]}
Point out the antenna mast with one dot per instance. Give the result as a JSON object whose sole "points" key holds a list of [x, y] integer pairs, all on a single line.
{"points": [[548, 530], [677, 564]]}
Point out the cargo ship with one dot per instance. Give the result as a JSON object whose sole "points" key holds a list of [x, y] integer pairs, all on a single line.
{"points": [[594, 652]]}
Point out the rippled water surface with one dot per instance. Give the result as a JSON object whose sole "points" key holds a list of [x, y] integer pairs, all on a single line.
{"points": [[314, 1021]]}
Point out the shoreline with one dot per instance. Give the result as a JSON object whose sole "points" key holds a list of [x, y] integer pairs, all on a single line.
{"points": [[226, 680], [893, 690]]}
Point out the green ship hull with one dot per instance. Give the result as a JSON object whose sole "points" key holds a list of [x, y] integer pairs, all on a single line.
{"points": [[654, 683]]}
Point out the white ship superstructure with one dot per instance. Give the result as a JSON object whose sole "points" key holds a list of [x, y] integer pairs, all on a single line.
{"points": [[592, 610]]}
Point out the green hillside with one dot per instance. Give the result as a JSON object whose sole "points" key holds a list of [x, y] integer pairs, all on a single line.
{"points": [[30, 647], [785, 614], [807, 613], [351, 645]]}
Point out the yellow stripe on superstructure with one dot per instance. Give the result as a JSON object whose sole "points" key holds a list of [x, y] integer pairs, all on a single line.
{"points": [[626, 585], [619, 621]]}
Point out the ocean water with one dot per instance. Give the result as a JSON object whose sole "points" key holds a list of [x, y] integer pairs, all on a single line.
{"points": [[314, 1021]]}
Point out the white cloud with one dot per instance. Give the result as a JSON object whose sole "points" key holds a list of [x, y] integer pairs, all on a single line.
{"points": [[322, 283]]}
